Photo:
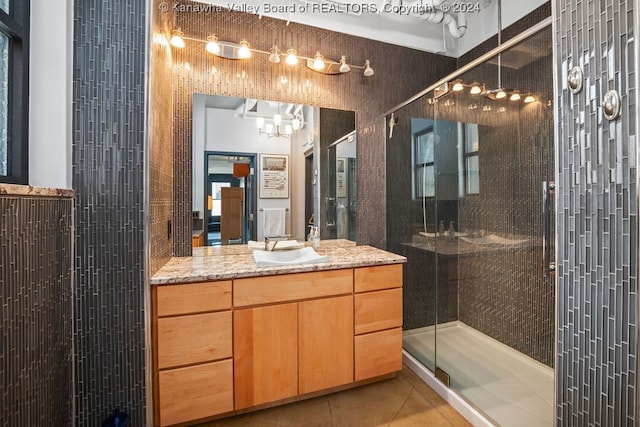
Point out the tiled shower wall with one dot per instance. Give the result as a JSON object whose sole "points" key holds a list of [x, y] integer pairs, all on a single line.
{"points": [[109, 150], [369, 97], [35, 316], [596, 198]]}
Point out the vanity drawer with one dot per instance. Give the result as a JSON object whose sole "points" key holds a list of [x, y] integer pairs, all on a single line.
{"points": [[378, 353], [378, 277], [375, 311], [195, 392], [196, 338], [193, 298], [291, 287]]}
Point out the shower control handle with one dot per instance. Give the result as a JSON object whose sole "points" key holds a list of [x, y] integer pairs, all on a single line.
{"points": [[548, 266]]}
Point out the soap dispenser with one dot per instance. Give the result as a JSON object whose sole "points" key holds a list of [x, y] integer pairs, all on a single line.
{"points": [[311, 235], [452, 231], [316, 239]]}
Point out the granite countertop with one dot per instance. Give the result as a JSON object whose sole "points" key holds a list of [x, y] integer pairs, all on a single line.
{"points": [[28, 190], [236, 261]]}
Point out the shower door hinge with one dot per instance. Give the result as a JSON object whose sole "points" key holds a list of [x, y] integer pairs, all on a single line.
{"points": [[443, 376]]}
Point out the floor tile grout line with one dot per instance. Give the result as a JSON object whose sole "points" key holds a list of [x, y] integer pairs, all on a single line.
{"points": [[330, 411], [403, 404]]}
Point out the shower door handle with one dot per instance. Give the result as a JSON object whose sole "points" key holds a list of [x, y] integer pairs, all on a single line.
{"points": [[548, 266]]}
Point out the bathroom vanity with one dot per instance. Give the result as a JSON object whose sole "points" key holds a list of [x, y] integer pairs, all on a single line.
{"points": [[229, 337]]}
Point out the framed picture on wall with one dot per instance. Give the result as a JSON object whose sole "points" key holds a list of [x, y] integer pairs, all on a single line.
{"points": [[274, 176]]}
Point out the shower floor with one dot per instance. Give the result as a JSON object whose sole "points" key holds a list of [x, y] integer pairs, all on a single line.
{"points": [[509, 387]]}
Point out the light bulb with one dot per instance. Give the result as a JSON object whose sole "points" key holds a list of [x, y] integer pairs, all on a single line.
{"points": [[277, 119], [244, 51], [457, 87], [292, 58], [529, 99], [260, 122], [475, 89], [318, 62], [514, 97], [212, 45], [344, 67], [275, 55], [295, 123], [176, 39], [501, 94], [368, 71]]}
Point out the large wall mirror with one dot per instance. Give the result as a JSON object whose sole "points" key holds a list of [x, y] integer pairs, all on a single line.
{"points": [[261, 168]]}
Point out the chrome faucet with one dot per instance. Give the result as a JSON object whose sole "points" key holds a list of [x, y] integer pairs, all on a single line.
{"points": [[266, 244]]}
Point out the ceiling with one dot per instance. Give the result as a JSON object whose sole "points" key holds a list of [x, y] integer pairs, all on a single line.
{"points": [[427, 25]]}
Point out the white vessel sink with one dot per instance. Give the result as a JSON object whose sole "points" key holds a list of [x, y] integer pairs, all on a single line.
{"points": [[492, 239], [292, 257]]}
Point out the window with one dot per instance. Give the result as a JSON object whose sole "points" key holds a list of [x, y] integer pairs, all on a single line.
{"points": [[14, 108], [471, 157], [424, 164]]}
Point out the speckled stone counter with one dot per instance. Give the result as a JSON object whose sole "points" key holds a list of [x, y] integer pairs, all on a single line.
{"points": [[28, 190], [236, 261]]}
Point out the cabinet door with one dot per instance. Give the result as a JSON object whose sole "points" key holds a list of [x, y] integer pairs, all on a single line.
{"points": [[265, 356], [325, 336]]}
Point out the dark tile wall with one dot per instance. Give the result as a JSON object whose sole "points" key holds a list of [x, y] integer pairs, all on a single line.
{"points": [[160, 138], [36, 365], [368, 97], [597, 200], [109, 149], [505, 293]]}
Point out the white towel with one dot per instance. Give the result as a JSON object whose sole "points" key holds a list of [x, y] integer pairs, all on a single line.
{"points": [[273, 222]]}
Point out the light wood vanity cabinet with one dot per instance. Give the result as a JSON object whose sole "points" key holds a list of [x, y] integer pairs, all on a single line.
{"points": [[227, 346]]}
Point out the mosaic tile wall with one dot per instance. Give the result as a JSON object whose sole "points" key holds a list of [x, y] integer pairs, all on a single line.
{"points": [[505, 294], [109, 148], [597, 200], [36, 367], [258, 78], [502, 295], [160, 139]]}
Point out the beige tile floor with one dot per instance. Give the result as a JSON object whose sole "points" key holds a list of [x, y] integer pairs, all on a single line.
{"points": [[403, 401]]}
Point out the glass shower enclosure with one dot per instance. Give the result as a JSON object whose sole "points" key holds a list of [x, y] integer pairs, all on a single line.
{"points": [[470, 167]]}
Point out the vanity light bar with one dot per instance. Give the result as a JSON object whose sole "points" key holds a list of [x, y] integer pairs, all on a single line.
{"points": [[243, 50]]}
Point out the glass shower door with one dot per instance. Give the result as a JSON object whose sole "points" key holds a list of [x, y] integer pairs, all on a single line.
{"points": [[495, 304]]}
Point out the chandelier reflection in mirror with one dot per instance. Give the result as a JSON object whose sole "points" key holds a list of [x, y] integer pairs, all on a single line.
{"points": [[275, 128]]}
